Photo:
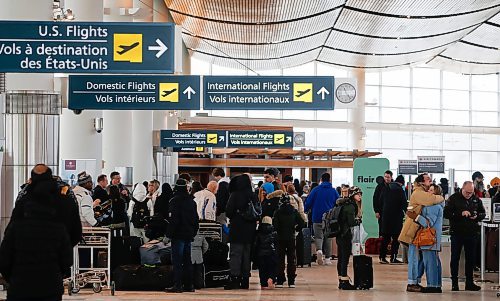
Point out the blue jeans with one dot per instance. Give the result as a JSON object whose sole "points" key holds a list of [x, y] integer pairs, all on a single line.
{"points": [[415, 265], [433, 268], [181, 261]]}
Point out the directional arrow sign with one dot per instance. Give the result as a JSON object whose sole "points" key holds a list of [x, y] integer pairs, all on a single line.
{"points": [[323, 91], [161, 48], [222, 138], [86, 47], [189, 91], [127, 92], [268, 93], [172, 138], [260, 139]]}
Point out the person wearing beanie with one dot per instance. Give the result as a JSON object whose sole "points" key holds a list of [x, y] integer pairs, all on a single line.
{"points": [[84, 197], [347, 219], [183, 227], [265, 246], [287, 221], [393, 209], [264, 190]]}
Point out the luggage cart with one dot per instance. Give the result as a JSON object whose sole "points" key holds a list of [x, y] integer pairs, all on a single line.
{"points": [[94, 239], [211, 229]]}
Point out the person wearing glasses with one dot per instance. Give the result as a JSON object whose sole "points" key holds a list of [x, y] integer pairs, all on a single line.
{"points": [[465, 211]]}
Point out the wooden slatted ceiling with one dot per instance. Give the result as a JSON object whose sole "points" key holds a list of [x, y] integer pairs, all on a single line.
{"points": [[289, 152], [233, 127]]}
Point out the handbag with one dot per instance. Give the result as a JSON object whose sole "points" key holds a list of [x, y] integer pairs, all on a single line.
{"points": [[425, 236], [253, 211]]}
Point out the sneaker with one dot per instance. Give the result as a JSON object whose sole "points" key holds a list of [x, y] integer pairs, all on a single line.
{"points": [[414, 288], [319, 255], [431, 290], [472, 287], [383, 261], [291, 285], [279, 285], [396, 261], [328, 261]]}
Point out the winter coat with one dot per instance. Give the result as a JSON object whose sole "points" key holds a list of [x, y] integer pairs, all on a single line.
{"points": [[434, 215], [222, 195], [320, 200], [36, 254], [161, 204], [377, 201], [66, 207], [419, 197], [183, 219], [86, 206], [240, 230], [100, 193], [287, 221], [206, 204], [298, 204], [139, 195], [198, 247], [271, 203], [393, 208], [460, 225], [347, 217], [265, 241]]}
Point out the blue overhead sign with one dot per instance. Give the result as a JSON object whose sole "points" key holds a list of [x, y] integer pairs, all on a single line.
{"points": [[260, 139], [195, 138], [268, 92], [138, 92], [83, 47]]}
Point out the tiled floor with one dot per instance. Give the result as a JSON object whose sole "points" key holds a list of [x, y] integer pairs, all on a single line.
{"points": [[316, 283]]}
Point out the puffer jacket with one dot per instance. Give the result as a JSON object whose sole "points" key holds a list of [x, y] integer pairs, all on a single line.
{"points": [[419, 197], [271, 203]]}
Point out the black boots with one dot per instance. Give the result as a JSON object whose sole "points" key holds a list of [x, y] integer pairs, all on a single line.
{"points": [[471, 286], [245, 283], [394, 260], [344, 284], [233, 283], [454, 284]]}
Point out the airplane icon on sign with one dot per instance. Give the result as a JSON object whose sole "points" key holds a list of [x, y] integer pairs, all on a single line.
{"points": [[300, 93], [126, 48], [168, 92]]}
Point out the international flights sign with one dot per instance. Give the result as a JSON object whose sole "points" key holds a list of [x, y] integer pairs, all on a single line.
{"points": [[268, 92], [82, 47]]}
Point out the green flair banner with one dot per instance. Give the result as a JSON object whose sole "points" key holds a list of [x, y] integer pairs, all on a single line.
{"points": [[365, 172]]}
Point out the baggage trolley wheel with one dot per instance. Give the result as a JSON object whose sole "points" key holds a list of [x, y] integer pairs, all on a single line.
{"points": [[75, 288], [96, 287], [498, 295], [113, 288]]}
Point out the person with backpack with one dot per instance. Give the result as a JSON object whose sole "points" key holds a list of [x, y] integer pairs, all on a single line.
{"points": [[139, 208], [287, 221], [346, 214], [265, 247], [243, 212]]}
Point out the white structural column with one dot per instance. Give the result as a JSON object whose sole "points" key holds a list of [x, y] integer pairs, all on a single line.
{"points": [[142, 121], [117, 133], [79, 139], [358, 134]]}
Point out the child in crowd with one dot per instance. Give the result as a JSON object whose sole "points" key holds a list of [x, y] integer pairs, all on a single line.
{"points": [[265, 246], [199, 246], [286, 221]]}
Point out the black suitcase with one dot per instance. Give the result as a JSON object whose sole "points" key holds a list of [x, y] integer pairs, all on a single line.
{"points": [[303, 247], [217, 253], [216, 275], [142, 278], [363, 272], [125, 250]]}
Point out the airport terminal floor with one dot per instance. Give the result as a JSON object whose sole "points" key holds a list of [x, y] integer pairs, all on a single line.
{"points": [[318, 283]]}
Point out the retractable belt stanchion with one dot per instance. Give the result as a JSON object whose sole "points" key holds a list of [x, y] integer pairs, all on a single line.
{"points": [[483, 252]]}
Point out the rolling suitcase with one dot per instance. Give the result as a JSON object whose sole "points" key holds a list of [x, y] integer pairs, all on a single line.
{"points": [[303, 248], [363, 272], [216, 275]]}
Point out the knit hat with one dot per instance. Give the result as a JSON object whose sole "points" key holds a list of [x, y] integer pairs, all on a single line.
{"points": [[267, 220], [268, 188], [354, 190], [181, 185], [84, 178]]}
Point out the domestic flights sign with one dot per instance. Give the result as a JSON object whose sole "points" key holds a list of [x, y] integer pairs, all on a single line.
{"points": [[260, 139], [195, 138], [83, 47], [268, 92], [138, 92]]}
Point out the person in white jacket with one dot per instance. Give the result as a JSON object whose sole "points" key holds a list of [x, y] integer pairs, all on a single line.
{"points": [[206, 202], [84, 197], [142, 207]]}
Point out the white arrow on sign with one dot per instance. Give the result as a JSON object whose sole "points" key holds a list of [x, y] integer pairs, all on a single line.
{"points": [[288, 139], [189, 91], [161, 48], [323, 91], [221, 138]]}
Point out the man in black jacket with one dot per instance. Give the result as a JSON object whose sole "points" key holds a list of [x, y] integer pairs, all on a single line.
{"points": [[183, 226], [222, 194], [377, 202], [465, 211]]}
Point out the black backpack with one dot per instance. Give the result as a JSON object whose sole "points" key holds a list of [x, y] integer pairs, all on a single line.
{"points": [[331, 221], [139, 214]]}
